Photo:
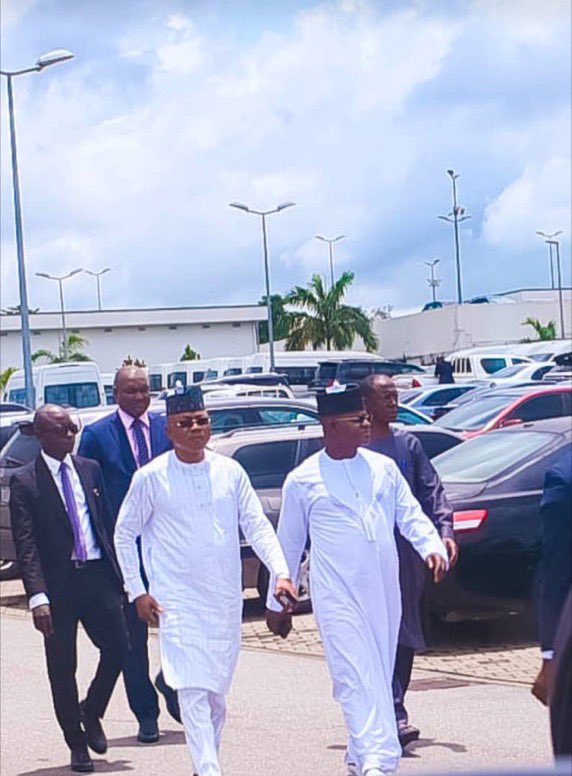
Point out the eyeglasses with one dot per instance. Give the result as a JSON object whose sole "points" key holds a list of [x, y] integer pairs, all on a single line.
{"points": [[190, 422], [359, 420], [63, 429]]}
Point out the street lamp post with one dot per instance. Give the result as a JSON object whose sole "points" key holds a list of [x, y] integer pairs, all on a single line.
{"points": [[331, 252], [433, 281], [549, 240], [51, 58], [455, 217], [97, 276], [60, 279], [263, 214]]}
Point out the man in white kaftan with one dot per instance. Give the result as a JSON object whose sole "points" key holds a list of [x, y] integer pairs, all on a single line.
{"points": [[349, 500], [188, 515]]}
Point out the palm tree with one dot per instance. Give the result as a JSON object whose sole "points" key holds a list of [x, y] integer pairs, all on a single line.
{"points": [[5, 375], [547, 332], [280, 319], [325, 320], [74, 351]]}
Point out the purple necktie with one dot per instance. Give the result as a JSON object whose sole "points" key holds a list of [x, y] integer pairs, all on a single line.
{"points": [[71, 506], [141, 442]]}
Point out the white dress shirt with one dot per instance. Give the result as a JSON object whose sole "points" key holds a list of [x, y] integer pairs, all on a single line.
{"points": [[128, 422], [90, 542]]}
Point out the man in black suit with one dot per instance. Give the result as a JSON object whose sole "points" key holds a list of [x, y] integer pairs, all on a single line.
{"points": [[121, 443], [61, 526]]}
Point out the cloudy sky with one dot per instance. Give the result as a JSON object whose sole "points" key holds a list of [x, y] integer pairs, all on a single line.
{"points": [[354, 109]]}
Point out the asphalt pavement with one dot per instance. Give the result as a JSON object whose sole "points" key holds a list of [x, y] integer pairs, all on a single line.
{"points": [[282, 719]]}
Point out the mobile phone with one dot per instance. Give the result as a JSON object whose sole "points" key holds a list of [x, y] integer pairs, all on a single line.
{"points": [[285, 599]]}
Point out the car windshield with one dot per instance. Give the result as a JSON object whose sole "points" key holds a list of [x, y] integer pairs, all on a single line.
{"points": [[509, 371], [489, 455], [475, 414]]}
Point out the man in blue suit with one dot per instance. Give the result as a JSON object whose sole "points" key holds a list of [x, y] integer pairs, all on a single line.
{"points": [[121, 443], [555, 563]]}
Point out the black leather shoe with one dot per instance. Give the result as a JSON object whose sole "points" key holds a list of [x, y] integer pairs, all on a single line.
{"points": [[148, 731], [94, 734], [170, 696], [407, 734], [81, 762]]}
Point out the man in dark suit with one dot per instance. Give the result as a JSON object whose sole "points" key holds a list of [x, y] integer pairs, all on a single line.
{"points": [[121, 443], [555, 564], [60, 521]]}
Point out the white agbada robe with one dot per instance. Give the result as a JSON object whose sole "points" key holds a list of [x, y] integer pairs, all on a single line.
{"points": [[349, 508], [188, 518]]}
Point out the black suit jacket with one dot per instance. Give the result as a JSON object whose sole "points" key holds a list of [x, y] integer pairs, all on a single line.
{"points": [[42, 530]]}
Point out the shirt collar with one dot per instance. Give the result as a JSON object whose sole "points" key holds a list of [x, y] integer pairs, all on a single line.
{"points": [[128, 420], [53, 464]]}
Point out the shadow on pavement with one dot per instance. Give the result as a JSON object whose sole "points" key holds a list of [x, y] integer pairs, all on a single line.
{"points": [[101, 766], [424, 743], [166, 739]]}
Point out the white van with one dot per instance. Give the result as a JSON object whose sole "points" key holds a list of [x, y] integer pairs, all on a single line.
{"points": [[480, 364], [73, 383]]}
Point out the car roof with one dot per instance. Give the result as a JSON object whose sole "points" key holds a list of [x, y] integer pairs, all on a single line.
{"points": [[271, 433], [561, 425]]}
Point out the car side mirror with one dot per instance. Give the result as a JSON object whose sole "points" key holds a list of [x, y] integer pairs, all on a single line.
{"points": [[510, 422]]}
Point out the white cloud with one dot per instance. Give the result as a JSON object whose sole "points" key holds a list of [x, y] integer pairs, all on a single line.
{"points": [[539, 199]]}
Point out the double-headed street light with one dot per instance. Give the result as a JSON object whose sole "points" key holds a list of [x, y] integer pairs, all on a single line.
{"points": [[455, 217], [97, 276], [433, 281], [46, 60], [331, 252], [60, 279], [550, 240], [263, 214]]}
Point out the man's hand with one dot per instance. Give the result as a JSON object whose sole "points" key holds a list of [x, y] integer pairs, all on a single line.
{"points": [[286, 586], [437, 565], [542, 686], [452, 551], [43, 619], [148, 609], [279, 623]]}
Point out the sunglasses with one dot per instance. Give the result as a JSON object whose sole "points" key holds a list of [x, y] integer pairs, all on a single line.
{"points": [[190, 422], [63, 429], [359, 420]]}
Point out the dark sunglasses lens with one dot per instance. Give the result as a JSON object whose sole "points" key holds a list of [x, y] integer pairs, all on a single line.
{"points": [[203, 421]]}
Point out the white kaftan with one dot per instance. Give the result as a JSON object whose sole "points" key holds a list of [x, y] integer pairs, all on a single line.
{"points": [[350, 508], [188, 518]]}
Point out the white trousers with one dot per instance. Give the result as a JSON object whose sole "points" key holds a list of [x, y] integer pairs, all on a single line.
{"points": [[203, 714]]}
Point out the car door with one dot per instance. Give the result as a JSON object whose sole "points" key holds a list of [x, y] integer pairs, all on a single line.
{"points": [[550, 405]]}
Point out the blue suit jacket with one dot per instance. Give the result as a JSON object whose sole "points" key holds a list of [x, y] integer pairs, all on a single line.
{"points": [[106, 442], [556, 560]]}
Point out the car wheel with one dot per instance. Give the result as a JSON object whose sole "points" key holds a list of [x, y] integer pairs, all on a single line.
{"points": [[8, 569]]}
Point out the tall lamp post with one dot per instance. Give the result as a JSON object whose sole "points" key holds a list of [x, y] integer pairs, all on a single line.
{"points": [[455, 217], [97, 276], [51, 58], [331, 252], [263, 214], [433, 281], [548, 239], [60, 279]]}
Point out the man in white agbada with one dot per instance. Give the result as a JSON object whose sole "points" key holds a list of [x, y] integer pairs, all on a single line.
{"points": [[186, 506], [349, 501]]}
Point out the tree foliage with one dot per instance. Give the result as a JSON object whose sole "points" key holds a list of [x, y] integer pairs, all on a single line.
{"points": [[74, 351], [130, 361], [189, 354], [547, 332], [280, 319], [323, 319], [5, 375]]}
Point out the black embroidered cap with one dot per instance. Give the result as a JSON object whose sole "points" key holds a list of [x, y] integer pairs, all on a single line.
{"points": [[339, 400], [189, 400]]}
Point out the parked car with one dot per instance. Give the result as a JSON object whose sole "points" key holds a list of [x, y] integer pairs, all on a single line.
{"points": [[10, 406], [479, 363], [494, 483], [9, 424], [352, 371], [521, 373], [502, 407], [435, 401], [562, 372]]}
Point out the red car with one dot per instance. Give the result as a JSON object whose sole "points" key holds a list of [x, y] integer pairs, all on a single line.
{"points": [[502, 407]]}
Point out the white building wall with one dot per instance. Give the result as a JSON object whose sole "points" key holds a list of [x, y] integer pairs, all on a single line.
{"points": [[152, 342], [425, 334]]}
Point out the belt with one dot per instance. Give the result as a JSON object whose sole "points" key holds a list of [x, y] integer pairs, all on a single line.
{"points": [[81, 564]]}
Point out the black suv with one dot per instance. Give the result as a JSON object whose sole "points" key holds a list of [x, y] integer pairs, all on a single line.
{"points": [[350, 371]]}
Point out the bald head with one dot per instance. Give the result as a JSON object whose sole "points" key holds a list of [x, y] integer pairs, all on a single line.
{"points": [[380, 397], [55, 430], [131, 390]]}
